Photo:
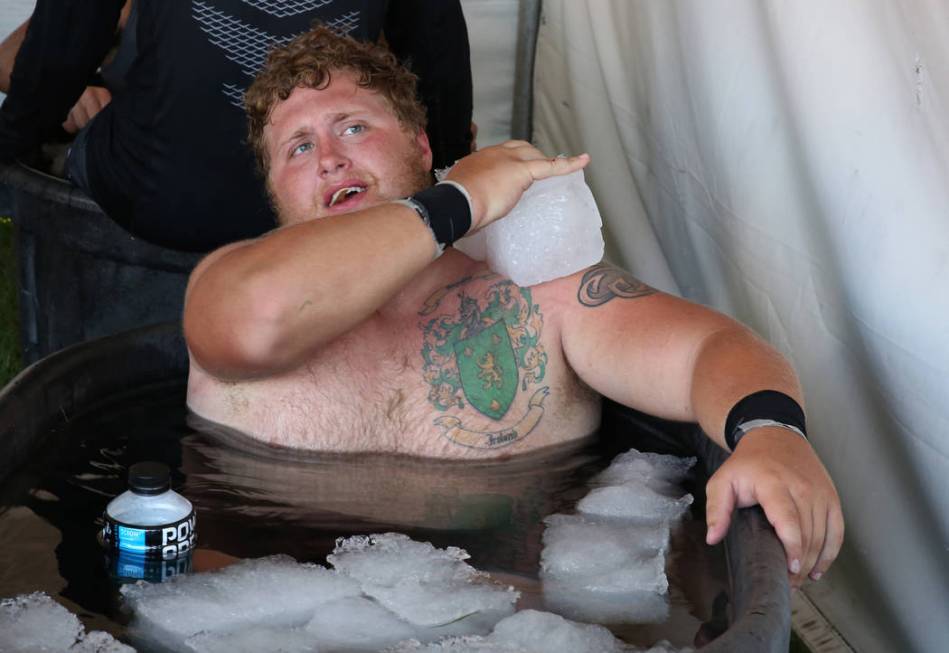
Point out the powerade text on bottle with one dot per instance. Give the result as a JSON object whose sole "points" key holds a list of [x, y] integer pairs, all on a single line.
{"points": [[150, 520]]}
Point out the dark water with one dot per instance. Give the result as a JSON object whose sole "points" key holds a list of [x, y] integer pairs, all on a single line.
{"points": [[252, 501]]}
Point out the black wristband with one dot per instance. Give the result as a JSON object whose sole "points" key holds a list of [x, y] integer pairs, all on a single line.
{"points": [[767, 405], [447, 212]]}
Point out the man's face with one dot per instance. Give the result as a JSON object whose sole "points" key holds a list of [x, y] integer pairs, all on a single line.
{"points": [[339, 150]]}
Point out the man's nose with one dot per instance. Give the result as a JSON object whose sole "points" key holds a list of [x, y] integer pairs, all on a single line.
{"points": [[332, 159]]}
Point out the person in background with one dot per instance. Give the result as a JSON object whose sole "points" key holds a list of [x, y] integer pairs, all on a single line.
{"points": [[164, 155], [356, 327]]}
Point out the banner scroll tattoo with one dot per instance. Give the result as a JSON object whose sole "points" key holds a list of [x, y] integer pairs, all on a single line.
{"points": [[603, 282], [457, 433]]}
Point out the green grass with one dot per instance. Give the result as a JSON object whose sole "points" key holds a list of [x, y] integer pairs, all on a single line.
{"points": [[9, 323]]}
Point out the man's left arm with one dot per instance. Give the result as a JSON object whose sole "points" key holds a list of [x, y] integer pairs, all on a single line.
{"points": [[678, 360]]}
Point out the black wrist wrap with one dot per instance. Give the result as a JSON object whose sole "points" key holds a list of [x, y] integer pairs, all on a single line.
{"points": [[766, 405], [447, 212]]}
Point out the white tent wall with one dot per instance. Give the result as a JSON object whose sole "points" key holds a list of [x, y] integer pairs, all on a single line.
{"points": [[786, 163]]}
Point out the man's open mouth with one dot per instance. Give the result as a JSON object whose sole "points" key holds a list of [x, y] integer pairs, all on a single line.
{"points": [[344, 194]]}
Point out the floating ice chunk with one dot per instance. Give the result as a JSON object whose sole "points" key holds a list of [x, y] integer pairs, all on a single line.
{"points": [[391, 558], [529, 631], [423, 585], [580, 545], [656, 470], [358, 624], [275, 590], [253, 639], [598, 607], [543, 631], [634, 501], [638, 575], [97, 641], [553, 231], [472, 644], [35, 622]]}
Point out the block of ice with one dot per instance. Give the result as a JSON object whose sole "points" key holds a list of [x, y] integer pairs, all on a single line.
{"points": [[659, 471], [97, 641], [594, 606], [423, 585], [35, 622], [578, 546], [543, 631], [528, 631], [635, 501], [391, 558], [275, 590], [253, 639], [359, 624], [553, 231]]}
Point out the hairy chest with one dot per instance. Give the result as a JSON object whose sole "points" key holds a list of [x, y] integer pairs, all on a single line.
{"points": [[476, 371]]}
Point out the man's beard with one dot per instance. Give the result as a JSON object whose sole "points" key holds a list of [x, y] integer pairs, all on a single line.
{"points": [[415, 176]]}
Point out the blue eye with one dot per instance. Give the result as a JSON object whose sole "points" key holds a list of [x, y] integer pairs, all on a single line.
{"points": [[354, 129], [301, 148]]}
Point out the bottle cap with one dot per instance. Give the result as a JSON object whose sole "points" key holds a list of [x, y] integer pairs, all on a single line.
{"points": [[149, 478]]}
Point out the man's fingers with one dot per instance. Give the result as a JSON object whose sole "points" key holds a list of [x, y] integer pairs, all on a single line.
{"points": [[719, 505], [782, 513], [558, 165], [813, 531], [833, 540]]}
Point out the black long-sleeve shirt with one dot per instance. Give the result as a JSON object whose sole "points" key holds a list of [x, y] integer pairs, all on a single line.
{"points": [[167, 157]]}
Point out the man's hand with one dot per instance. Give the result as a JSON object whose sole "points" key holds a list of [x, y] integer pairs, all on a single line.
{"points": [[91, 102], [497, 176], [778, 470]]}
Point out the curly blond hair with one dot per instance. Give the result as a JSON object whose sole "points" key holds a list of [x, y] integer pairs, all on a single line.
{"points": [[309, 61]]}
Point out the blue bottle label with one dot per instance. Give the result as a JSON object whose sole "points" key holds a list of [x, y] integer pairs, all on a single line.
{"points": [[165, 542]]}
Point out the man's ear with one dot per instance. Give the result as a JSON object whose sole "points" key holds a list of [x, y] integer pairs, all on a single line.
{"points": [[421, 139]]}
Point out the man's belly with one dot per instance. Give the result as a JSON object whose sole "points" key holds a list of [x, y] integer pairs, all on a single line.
{"points": [[387, 410]]}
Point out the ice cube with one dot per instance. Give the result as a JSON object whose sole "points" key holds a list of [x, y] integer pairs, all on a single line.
{"points": [[635, 502], [35, 622], [553, 231]]}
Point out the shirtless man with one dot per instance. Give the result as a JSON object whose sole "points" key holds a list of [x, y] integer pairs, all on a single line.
{"points": [[345, 330]]}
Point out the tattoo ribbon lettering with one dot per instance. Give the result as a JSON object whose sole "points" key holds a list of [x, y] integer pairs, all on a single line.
{"points": [[455, 431]]}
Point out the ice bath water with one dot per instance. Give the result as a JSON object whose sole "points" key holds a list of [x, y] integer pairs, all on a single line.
{"points": [[252, 501]]}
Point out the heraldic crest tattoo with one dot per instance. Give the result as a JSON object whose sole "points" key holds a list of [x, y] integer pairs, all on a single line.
{"points": [[482, 357]]}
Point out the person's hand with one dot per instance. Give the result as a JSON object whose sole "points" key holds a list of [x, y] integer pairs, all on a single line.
{"points": [[497, 176], [91, 102], [779, 470]]}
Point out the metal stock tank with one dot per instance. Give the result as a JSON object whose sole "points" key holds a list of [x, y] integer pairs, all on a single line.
{"points": [[71, 423]]}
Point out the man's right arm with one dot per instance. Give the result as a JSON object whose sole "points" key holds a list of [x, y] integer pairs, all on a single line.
{"points": [[264, 306]]}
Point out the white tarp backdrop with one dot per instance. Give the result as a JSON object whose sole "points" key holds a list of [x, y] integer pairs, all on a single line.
{"points": [[788, 162]]}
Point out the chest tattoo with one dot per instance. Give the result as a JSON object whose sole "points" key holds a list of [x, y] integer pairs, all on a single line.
{"points": [[484, 354]]}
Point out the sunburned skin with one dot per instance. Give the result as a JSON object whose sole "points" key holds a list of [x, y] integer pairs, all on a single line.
{"points": [[471, 371]]}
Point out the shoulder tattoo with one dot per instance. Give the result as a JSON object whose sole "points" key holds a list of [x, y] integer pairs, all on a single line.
{"points": [[603, 282]]}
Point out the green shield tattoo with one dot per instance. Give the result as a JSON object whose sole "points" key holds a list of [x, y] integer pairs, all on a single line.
{"points": [[484, 353], [488, 370]]}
